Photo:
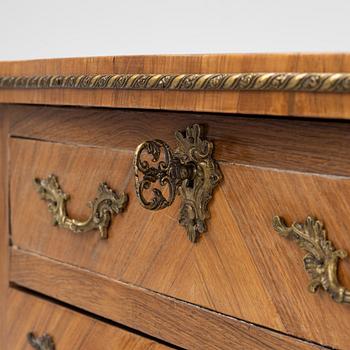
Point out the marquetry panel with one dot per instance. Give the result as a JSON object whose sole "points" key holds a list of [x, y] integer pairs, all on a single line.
{"points": [[240, 267], [166, 318]]}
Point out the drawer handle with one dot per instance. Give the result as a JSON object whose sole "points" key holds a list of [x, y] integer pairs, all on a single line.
{"points": [[321, 260], [45, 342], [189, 171], [102, 207]]}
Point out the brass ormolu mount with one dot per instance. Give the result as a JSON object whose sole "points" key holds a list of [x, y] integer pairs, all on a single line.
{"points": [[189, 171], [44, 342], [322, 258], [106, 204]]}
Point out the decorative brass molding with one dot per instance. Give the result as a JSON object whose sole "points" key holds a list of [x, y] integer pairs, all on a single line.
{"points": [[45, 342], [189, 171], [102, 207], [288, 81], [321, 260]]}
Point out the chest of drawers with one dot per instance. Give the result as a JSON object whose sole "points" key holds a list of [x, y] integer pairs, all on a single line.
{"points": [[224, 277]]}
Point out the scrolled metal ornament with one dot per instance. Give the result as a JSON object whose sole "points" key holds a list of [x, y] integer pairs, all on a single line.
{"points": [[189, 171], [44, 342], [103, 207], [322, 258], [162, 173]]}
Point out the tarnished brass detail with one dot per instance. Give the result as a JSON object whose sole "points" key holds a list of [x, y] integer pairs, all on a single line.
{"points": [[305, 82], [189, 170], [45, 342], [321, 260], [102, 207]]}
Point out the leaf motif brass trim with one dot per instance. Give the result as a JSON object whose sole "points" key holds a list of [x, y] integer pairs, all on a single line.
{"points": [[44, 342], [321, 260], [102, 207], [189, 171], [248, 81]]}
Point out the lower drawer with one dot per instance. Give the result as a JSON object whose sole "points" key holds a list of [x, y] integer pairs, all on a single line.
{"points": [[67, 329]]}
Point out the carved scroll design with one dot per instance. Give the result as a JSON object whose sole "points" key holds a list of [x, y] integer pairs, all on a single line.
{"points": [[189, 171], [44, 342], [321, 260], [103, 207], [289, 81]]}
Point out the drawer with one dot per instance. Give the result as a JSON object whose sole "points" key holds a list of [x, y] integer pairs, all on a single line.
{"points": [[67, 329], [241, 267]]}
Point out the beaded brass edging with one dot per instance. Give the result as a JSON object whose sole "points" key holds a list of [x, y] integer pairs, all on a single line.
{"points": [[303, 82]]}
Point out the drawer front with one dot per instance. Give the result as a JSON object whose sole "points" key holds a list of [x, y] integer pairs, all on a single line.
{"points": [[240, 267], [64, 329]]}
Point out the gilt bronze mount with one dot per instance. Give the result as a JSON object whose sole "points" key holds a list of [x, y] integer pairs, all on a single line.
{"points": [[247, 81], [189, 171], [44, 342], [322, 258], [103, 207]]}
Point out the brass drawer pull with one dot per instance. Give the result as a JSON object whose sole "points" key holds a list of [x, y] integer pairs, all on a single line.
{"points": [[102, 207], [45, 342], [321, 260], [189, 171]]}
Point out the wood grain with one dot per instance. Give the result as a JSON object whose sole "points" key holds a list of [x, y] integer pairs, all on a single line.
{"points": [[272, 103], [241, 267], [4, 238], [309, 146], [166, 318], [69, 329]]}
